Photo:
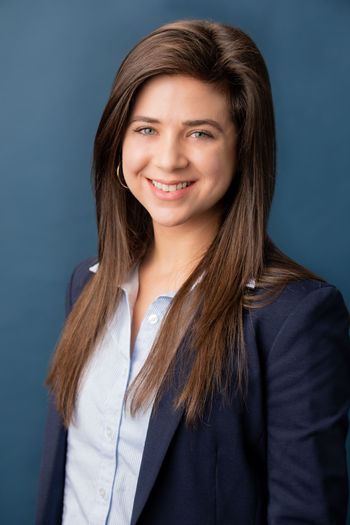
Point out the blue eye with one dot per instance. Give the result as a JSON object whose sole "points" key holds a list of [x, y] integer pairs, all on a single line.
{"points": [[146, 131], [201, 135]]}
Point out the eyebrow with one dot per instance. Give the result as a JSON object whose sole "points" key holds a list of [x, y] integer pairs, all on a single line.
{"points": [[189, 123]]}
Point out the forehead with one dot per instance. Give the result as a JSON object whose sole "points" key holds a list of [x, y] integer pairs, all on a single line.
{"points": [[181, 96]]}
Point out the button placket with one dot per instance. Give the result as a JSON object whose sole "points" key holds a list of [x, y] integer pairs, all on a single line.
{"points": [[127, 371]]}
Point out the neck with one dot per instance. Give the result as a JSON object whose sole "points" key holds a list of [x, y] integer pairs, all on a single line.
{"points": [[178, 249]]}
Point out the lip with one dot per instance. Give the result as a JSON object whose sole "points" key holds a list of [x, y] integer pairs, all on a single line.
{"points": [[169, 195]]}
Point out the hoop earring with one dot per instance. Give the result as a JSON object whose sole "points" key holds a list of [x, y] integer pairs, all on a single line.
{"points": [[119, 178]]}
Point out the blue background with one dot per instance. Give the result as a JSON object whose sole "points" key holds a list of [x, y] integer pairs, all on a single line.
{"points": [[58, 60]]}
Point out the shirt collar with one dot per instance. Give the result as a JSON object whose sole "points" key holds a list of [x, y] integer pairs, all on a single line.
{"points": [[133, 280], [131, 285]]}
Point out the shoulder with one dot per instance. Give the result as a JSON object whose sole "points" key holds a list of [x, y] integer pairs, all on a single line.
{"points": [[306, 308], [300, 295], [79, 277], [81, 273]]}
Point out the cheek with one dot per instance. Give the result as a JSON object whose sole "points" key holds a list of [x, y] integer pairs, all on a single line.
{"points": [[217, 167], [134, 158]]}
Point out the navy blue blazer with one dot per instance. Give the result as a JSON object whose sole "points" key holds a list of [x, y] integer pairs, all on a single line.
{"points": [[278, 459]]}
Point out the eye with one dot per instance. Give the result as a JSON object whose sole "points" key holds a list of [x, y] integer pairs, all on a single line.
{"points": [[201, 135], [145, 131]]}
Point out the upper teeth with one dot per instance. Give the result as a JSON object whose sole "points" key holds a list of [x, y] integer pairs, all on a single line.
{"points": [[170, 187]]}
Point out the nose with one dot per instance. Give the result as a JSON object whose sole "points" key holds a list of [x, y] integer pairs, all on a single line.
{"points": [[170, 154]]}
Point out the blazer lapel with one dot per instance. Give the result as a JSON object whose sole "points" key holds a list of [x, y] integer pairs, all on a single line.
{"points": [[161, 429], [162, 426]]}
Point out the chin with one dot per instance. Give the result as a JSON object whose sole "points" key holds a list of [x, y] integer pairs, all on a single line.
{"points": [[169, 222]]}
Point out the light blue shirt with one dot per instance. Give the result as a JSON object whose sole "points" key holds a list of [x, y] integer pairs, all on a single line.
{"points": [[105, 444]]}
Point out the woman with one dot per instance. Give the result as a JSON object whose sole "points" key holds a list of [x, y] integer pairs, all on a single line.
{"points": [[202, 376]]}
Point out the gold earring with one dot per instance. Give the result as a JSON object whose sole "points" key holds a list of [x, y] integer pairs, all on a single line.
{"points": [[119, 178]]}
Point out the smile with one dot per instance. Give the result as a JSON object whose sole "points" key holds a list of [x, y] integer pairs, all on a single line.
{"points": [[170, 187]]}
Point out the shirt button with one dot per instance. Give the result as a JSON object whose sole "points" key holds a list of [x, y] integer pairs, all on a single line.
{"points": [[153, 319], [109, 433], [102, 493]]}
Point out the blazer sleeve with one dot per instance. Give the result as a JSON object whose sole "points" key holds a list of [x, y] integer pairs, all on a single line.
{"points": [[52, 469], [308, 377]]}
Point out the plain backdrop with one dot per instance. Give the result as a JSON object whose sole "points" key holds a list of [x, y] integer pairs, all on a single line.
{"points": [[58, 61]]}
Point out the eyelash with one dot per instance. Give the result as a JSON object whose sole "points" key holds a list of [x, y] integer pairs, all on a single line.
{"points": [[205, 134], [140, 130]]}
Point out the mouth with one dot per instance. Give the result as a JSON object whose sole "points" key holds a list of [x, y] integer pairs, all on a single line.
{"points": [[171, 186]]}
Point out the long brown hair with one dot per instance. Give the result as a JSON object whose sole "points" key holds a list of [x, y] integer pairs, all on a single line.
{"points": [[209, 316]]}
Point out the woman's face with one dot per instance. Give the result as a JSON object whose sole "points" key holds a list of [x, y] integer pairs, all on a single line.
{"points": [[179, 150]]}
